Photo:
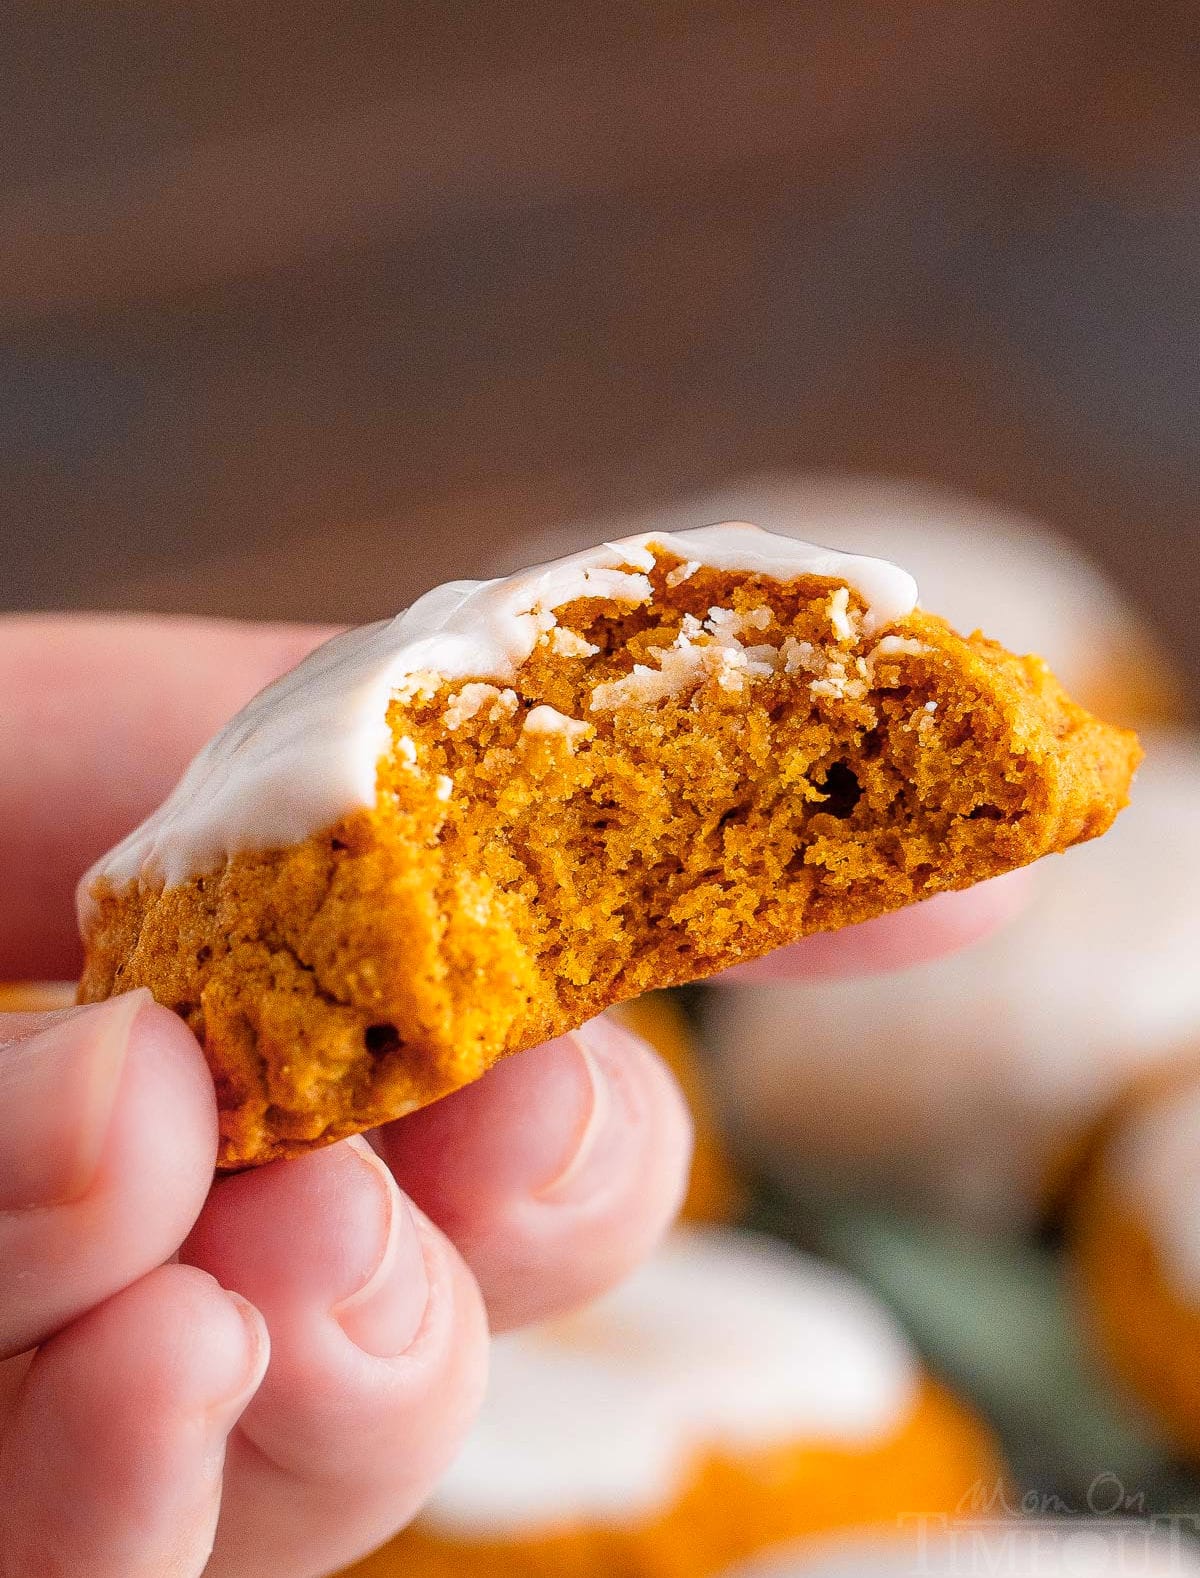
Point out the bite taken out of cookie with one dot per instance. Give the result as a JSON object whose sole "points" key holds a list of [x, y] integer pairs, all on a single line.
{"points": [[451, 835]]}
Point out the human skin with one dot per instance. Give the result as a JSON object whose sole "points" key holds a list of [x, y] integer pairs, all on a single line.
{"points": [[265, 1376]]}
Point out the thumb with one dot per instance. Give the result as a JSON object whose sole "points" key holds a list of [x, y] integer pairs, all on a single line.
{"points": [[108, 1138]]}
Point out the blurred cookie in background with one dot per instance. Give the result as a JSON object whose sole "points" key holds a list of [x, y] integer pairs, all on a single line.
{"points": [[715, 1193], [732, 1396], [969, 1086], [981, 567], [35, 997], [1134, 1241]]}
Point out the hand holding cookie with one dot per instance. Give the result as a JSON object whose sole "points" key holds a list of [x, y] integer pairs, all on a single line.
{"points": [[285, 1361], [282, 1363]]}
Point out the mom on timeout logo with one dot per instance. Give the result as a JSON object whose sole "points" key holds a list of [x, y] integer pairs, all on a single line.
{"points": [[992, 1534]]}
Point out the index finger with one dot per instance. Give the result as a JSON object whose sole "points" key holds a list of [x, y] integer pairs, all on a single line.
{"points": [[100, 717]]}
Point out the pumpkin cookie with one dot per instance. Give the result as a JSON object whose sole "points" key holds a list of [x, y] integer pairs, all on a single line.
{"points": [[452, 835], [35, 997], [732, 1396], [1135, 1245]]}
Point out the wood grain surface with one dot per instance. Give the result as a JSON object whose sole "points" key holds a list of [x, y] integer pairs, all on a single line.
{"points": [[303, 309]]}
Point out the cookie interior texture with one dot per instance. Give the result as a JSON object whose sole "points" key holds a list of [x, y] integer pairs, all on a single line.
{"points": [[661, 792]]}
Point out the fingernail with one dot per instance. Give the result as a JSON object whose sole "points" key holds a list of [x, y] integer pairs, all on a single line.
{"points": [[384, 1315], [241, 1365], [607, 1136], [58, 1090]]}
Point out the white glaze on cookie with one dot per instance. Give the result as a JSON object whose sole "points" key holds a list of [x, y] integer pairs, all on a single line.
{"points": [[722, 1341], [979, 565], [304, 752]]}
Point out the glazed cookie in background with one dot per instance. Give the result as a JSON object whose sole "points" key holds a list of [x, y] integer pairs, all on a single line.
{"points": [[967, 1086], [981, 566], [1073, 1546], [715, 1193], [455, 834], [1135, 1251], [732, 1396], [35, 997]]}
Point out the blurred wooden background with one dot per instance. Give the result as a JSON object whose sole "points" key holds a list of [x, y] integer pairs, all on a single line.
{"points": [[305, 308]]}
